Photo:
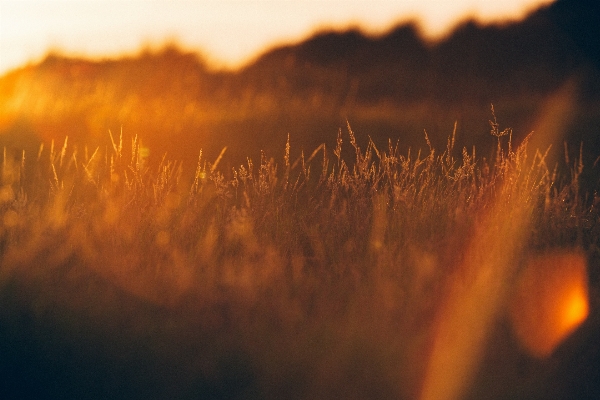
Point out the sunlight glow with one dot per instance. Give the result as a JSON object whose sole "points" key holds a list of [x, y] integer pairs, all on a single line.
{"points": [[550, 302], [576, 309], [230, 32], [473, 300]]}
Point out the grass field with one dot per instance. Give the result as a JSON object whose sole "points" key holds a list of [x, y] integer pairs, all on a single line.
{"points": [[385, 275]]}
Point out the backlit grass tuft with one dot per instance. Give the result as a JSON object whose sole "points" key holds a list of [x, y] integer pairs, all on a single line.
{"points": [[315, 277]]}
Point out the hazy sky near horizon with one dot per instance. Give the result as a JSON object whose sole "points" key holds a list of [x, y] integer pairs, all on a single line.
{"points": [[227, 32]]}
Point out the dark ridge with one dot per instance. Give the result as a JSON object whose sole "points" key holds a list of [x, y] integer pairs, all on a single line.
{"points": [[578, 20], [391, 85]]}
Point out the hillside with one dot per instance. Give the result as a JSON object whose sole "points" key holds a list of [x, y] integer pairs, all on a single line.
{"points": [[394, 85]]}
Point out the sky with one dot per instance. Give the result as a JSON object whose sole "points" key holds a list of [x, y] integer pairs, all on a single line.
{"points": [[228, 33]]}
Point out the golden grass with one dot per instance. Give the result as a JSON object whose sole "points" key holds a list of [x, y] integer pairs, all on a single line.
{"points": [[336, 278]]}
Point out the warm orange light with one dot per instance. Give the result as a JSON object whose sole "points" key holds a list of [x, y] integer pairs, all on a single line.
{"points": [[576, 310], [550, 301], [231, 32]]}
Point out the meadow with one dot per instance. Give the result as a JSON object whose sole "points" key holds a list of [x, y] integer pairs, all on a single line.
{"points": [[382, 274], [171, 230]]}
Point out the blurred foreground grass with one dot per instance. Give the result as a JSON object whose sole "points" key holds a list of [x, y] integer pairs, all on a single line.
{"points": [[305, 278]]}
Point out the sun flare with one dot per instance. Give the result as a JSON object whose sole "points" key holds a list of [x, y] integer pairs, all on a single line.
{"points": [[550, 302]]}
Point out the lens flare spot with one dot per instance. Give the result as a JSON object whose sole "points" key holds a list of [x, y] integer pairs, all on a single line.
{"points": [[576, 309], [550, 301]]}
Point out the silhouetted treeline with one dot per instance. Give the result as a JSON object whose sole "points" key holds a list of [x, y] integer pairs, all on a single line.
{"points": [[391, 86]]}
